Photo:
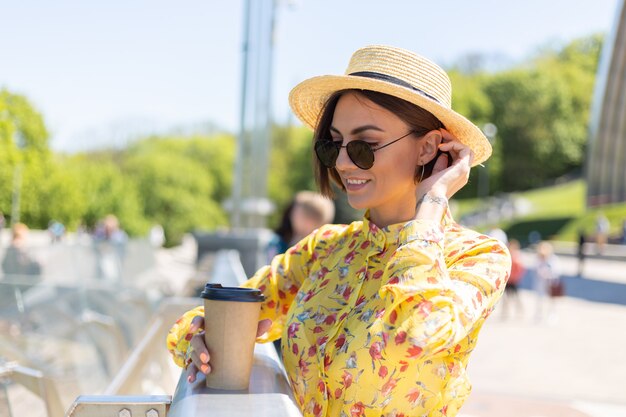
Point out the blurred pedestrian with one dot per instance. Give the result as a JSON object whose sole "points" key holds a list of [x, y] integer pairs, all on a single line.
{"points": [[624, 232], [548, 284], [157, 236], [17, 261], [307, 211], [534, 237], [581, 251], [511, 294], [110, 246], [56, 230], [602, 232]]}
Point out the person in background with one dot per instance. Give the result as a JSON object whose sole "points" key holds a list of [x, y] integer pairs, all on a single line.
{"points": [[547, 280], [157, 236], [307, 212], [110, 245], [17, 260], [378, 317], [581, 251], [602, 232], [511, 293], [56, 229]]}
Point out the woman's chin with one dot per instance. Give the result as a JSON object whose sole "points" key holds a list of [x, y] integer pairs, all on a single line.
{"points": [[357, 203]]}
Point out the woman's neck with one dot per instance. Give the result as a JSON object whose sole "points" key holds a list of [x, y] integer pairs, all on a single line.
{"points": [[384, 218]]}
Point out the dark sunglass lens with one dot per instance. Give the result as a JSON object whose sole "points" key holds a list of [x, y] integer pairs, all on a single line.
{"points": [[361, 154], [326, 152]]}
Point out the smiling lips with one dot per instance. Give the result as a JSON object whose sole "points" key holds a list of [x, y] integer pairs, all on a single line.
{"points": [[354, 184]]}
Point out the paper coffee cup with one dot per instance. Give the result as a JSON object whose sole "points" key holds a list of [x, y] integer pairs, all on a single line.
{"points": [[231, 317]]}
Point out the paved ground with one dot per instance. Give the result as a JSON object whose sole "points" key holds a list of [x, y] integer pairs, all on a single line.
{"points": [[569, 363]]}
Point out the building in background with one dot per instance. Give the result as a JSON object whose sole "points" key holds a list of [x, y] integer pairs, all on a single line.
{"points": [[606, 158]]}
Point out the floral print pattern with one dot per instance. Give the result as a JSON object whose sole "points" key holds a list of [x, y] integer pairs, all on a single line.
{"points": [[378, 322]]}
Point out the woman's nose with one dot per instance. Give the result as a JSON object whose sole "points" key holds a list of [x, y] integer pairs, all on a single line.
{"points": [[343, 160]]}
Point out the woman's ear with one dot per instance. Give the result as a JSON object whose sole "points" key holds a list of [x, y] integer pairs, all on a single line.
{"points": [[430, 145]]}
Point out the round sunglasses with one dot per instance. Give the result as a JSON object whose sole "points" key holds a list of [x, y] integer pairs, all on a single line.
{"points": [[359, 151]]}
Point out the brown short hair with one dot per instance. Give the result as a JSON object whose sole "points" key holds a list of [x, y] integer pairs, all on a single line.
{"points": [[419, 120]]}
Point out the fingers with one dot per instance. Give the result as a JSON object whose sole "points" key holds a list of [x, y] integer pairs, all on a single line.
{"points": [[198, 353], [196, 324], [263, 327], [459, 150], [199, 349], [441, 163], [191, 373], [203, 366]]}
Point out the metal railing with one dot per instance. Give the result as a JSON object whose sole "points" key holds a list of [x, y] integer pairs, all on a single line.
{"points": [[108, 331], [269, 393], [35, 382]]}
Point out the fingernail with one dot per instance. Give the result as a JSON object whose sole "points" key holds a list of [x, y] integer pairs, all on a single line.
{"points": [[204, 368], [204, 357], [190, 378]]}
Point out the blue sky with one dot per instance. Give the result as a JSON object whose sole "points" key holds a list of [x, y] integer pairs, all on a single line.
{"points": [[99, 71]]}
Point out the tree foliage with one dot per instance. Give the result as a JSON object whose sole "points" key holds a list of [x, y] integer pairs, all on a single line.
{"points": [[174, 184], [542, 114]]}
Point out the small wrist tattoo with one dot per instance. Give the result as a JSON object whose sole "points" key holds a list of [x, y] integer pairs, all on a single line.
{"points": [[442, 201]]}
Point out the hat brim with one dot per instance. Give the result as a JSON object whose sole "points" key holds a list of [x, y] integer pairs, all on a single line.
{"points": [[309, 97]]}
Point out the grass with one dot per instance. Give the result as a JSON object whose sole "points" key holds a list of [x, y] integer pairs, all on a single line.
{"points": [[556, 212], [563, 200]]}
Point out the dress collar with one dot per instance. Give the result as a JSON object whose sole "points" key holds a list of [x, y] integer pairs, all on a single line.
{"points": [[382, 237]]}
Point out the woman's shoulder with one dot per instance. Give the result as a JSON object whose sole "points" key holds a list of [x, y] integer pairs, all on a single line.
{"points": [[458, 235]]}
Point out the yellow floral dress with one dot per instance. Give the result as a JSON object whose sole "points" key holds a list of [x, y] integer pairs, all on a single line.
{"points": [[378, 322]]}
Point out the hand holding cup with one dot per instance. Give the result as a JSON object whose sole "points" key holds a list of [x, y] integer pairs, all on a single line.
{"points": [[198, 352]]}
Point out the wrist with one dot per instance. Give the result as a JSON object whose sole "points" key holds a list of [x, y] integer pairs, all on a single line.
{"points": [[432, 198], [431, 207]]}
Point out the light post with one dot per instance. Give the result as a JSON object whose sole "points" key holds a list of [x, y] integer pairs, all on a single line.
{"points": [[249, 204]]}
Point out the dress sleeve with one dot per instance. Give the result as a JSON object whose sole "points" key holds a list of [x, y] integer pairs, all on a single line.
{"points": [[179, 336], [439, 288], [279, 282]]}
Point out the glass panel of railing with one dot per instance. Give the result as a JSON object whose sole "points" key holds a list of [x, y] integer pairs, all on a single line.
{"points": [[69, 319]]}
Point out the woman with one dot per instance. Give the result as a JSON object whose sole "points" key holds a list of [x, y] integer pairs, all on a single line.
{"points": [[379, 317]]}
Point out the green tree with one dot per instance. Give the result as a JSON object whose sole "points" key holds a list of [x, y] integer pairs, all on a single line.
{"points": [[24, 156], [176, 190], [542, 114], [104, 189], [21, 123]]}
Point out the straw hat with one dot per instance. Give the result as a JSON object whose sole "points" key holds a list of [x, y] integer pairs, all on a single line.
{"points": [[399, 73]]}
